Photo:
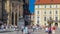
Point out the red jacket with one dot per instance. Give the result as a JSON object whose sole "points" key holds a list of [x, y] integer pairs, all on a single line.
{"points": [[53, 28]]}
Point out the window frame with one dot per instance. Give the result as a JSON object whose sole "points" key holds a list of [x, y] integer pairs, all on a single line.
{"points": [[38, 19], [37, 12], [56, 12], [56, 18], [45, 18], [50, 12], [44, 12]]}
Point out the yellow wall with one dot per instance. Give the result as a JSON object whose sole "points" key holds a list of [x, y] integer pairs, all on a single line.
{"points": [[42, 9]]}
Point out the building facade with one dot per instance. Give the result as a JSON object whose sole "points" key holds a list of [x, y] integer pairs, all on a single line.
{"points": [[45, 10], [32, 18], [0, 9], [3, 13], [10, 11]]}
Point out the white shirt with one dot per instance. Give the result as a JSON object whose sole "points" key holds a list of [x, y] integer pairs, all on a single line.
{"points": [[26, 30], [46, 29], [2, 26]]}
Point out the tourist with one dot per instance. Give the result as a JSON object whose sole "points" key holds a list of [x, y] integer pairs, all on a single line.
{"points": [[53, 29], [49, 30], [22, 28], [2, 27], [46, 29], [25, 31], [34, 28]]}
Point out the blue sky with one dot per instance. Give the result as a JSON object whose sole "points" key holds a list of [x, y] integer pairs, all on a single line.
{"points": [[31, 5]]}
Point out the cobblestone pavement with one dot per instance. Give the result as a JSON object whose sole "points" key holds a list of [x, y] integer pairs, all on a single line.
{"points": [[35, 32]]}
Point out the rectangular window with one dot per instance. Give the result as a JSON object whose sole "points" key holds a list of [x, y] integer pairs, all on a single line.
{"points": [[45, 12], [50, 18], [44, 18], [38, 12], [50, 12], [38, 6], [45, 6], [56, 18], [38, 19], [56, 12], [56, 6], [50, 6]]}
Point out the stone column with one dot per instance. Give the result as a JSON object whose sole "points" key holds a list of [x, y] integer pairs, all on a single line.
{"points": [[14, 18], [21, 9], [11, 12], [7, 6], [18, 13]]}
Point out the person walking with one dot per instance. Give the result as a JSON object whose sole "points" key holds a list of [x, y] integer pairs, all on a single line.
{"points": [[2, 27], [53, 29], [49, 30], [46, 29], [34, 28], [25, 31], [22, 28], [37, 27]]}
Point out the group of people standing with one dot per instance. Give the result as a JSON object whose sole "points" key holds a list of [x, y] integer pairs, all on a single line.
{"points": [[25, 29], [6, 27], [47, 29], [50, 29]]}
